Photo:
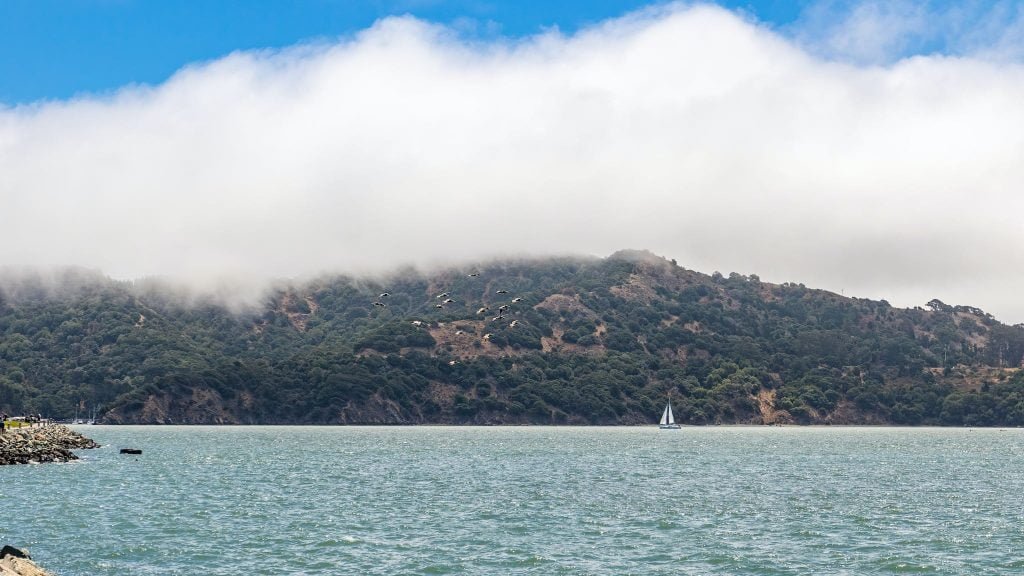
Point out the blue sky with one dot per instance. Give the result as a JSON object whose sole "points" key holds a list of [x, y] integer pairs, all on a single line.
{"points": [[54, 49]]}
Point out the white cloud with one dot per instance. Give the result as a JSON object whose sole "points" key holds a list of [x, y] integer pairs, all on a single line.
{"points": [[686, 130], [866, 32]]}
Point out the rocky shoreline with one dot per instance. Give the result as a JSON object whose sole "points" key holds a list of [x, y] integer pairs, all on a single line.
{"points": [[49, 443], [31, 445], [16, 562]]}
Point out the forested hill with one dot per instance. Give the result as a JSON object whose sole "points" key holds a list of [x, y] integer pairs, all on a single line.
{"points": [[582, 341]]}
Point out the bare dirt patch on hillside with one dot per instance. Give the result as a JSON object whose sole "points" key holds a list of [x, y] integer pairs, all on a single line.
{"points": [[636, 288], [766, 405], [554, 343], [562, 303], [463, 339], [974, 377], [297, 319]]}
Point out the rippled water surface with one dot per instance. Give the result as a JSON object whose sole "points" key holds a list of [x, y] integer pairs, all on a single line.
{"points": [[437, 500]]}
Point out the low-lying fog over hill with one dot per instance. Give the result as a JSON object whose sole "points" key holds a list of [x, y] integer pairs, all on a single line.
{"points": [[691, 130]]}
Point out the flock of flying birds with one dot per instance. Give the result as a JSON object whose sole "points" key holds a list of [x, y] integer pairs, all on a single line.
{"points": [[447, 299]]}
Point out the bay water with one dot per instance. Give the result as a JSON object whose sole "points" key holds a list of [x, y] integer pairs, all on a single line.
{"points": [[525, 500]]}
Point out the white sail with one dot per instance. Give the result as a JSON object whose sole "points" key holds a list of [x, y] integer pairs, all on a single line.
{"points": [[666, 415], [671, 419]]}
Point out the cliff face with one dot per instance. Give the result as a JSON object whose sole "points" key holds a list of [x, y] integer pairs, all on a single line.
{"points": [[200, 405], [598, 341]]}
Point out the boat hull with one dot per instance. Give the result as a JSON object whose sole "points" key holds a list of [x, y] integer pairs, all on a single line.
{"points": [[669, 426]]}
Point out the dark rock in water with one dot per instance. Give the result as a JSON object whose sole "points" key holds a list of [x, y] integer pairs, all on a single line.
{"points": [[131, 451], [16, 552]]}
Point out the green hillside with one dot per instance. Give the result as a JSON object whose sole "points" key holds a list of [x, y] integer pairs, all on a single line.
{"points": [[594, 341]]}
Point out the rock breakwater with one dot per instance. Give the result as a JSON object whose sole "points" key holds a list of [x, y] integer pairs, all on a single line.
{"points": [[50, 443], [15, 562]]}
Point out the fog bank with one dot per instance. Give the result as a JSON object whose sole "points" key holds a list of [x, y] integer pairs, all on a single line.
{"points": [[690, 131]]}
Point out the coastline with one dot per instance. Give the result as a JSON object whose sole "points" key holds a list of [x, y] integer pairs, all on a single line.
{"points": [[544, 425]]}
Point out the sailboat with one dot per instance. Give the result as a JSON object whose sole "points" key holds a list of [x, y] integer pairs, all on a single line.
{"points": [[668, 421]]}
